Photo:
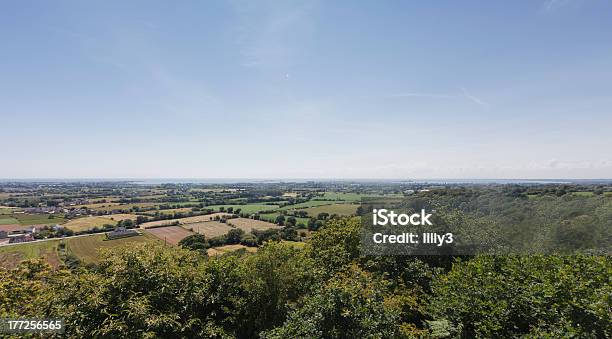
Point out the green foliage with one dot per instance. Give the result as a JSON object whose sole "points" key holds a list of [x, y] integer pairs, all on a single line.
{"points": [[194, 242], [513, 296], [351, 305]]}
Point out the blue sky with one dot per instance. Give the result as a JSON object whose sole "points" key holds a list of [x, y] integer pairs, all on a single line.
{"points": [[321, 89]]}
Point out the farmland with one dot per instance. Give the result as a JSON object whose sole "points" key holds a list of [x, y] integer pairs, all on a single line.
{"points": [[170, 234], [247, 208], [306, 204], [247, 225], [184, 221], [88, 248], [87, 223], [271, 217], [38, 219], [338, 209], [8, 220], [12, 255], [208, 228]]}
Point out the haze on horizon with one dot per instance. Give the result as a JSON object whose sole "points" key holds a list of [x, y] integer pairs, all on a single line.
{"points": [[306, 89]]}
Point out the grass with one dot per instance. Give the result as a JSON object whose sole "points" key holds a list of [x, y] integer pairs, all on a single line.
{"points": [[7, 220], [339, 209], [249, 224], [583, 194], [228, 248], [306, 204], [87, 223], [210, 229], [295, 244], [340, 196], [88, 248], [10, 256], [271, 217], [127, 206], [170, 211], [39, 219], [170, 234]]}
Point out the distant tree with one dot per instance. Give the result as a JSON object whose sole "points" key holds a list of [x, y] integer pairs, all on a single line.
{"points": [[234, 236], [194, 242], [249, 240], [291, 221], [280, 220], [323, 216]]}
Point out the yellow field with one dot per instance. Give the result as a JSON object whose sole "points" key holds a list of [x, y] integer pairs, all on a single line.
{"points": [[228, 248], [87, 223], [171, 210], [120, 217], [249, 224], [184, 221], [210, 229]]}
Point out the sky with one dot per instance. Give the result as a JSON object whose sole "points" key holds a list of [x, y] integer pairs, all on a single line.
{"points": [[306, 89]]}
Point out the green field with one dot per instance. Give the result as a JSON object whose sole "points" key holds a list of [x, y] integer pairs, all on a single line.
{"points": [[271, 217], [248, 208], [339, 209], [88, 248], [583, 194], [340, 196], [38, 219], [13, 254], [306, 204], [8, 220]]}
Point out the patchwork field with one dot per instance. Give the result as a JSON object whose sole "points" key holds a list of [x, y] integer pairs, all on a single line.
{"points": [[87, 223], [88, 248], [170, 234], [184, 221], [247, 225], [210, 229], [12, 255], [228, 248]]}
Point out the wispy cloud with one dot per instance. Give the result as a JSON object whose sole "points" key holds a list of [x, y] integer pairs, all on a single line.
{"points": [[422, 95], [465, 94], [473, 98]]}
